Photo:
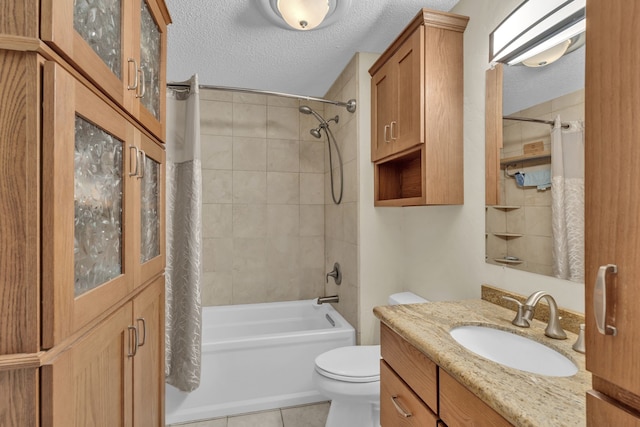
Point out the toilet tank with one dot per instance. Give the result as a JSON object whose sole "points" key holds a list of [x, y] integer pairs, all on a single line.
{"points": [[405, 298]]}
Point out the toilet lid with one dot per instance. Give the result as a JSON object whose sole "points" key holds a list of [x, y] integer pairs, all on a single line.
{"points": [[358, 364]]}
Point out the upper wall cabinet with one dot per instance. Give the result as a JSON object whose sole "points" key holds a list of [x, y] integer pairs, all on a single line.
{"points": [[416, 114], [119, 45]]}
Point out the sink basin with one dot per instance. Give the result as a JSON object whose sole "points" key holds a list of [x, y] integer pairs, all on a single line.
{"points": [[514, 351]]}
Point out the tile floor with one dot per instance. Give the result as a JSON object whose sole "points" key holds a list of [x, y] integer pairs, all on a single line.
{"points": [[299, 416]]}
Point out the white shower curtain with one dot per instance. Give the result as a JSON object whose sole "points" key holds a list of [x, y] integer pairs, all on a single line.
{"points": [[567, 195], [184, 238]]}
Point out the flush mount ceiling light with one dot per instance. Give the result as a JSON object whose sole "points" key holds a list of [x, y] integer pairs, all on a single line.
{"points": [[304, 15], [537, 27]]}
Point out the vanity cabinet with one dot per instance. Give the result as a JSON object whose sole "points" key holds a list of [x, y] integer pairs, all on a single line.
{"points": [[412, 384], [612, 207], [416, 113], [120, 45]]}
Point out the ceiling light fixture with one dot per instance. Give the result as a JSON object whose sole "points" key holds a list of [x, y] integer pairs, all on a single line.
{"points": [[537, 26], [305, 15]]}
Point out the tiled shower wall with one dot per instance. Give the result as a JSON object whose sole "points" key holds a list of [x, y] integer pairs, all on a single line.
{"points": [[532, 218], [341, 221], [263, 199]]}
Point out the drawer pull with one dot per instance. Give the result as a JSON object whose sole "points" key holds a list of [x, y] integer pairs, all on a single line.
{"points": [[386, 128], [399, 408]]}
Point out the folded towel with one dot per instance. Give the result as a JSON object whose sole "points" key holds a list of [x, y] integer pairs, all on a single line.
{"points": [[540, 179]]}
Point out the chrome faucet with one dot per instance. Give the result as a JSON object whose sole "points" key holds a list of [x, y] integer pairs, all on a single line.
{"points": [[526, 311]]}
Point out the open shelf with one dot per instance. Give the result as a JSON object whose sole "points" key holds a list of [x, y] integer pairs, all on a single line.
{"points": [[508, 261], [504, 207], [399, 180], [507, 235], [525, 158]]}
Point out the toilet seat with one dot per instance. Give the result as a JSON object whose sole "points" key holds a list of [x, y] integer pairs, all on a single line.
{"points": [[355, 364]]}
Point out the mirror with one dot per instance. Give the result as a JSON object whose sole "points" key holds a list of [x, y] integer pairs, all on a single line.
{"points": [[519, 217]]}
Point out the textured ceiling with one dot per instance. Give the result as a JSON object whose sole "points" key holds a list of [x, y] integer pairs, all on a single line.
{"points": [[236, 43]]}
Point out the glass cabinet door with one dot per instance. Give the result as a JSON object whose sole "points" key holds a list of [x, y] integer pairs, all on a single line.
{"points": [[86, 206], [151, 39], [150, 208], [93, 34]]}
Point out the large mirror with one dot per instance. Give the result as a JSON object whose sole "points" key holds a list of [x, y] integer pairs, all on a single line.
{"points": [[535, 216]]}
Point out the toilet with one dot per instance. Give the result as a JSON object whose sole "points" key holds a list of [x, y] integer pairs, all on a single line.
{"points": [[350, 378]]}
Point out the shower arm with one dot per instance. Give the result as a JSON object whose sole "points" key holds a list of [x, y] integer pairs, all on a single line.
{"points": [[350, 105]]}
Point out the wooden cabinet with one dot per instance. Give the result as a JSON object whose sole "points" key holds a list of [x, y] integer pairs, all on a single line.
{"points": [[112, 376], [82, 221], [612, 207], [411, 383], [120, 46], [416, 114]]}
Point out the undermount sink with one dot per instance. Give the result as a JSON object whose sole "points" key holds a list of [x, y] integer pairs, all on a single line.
{"points": [[514, 351]]}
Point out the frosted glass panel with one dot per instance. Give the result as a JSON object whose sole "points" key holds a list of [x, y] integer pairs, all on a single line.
{"points": [[98, 206], [150, 60], [150, 221], [99, 22]]}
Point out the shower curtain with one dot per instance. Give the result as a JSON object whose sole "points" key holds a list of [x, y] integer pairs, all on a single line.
{"points": [[567, 200], [184, 238]]}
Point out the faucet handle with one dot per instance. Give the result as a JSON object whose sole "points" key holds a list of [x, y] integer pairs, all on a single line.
{"points": [[520, 319]]}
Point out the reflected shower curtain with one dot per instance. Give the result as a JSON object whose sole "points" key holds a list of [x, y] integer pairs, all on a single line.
{"points": [[184, 238], [567, 200]]}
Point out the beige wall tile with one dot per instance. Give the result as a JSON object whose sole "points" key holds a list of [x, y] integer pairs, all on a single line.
{"points": [[283, 155], [218, 254], [311, 284], [249, 98], [312, 156], [283, 101], [249, 286], [249, 220], [538, 249], [283, 253], [217, 288], [283, 188], [249, 253], [216, 95], [311, 220], [249, 120], [306, 416], [516, 221], [217, 186], [311, 189], [216, 152], [538, 220], [249, 154], [283, 220], [311, 252], [350, 222], [216, 118], [283, 122], [262, 419], [249, 187], [217, 220]]}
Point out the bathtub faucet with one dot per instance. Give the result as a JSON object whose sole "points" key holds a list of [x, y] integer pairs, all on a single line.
{"points": [[331, 298]]}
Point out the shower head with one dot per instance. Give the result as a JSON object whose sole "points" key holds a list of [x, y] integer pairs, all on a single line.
{"points": [[316, 132], [305, 109]]}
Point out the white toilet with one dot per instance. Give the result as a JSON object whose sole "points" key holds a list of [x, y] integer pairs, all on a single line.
{"points": [[350, 377]]}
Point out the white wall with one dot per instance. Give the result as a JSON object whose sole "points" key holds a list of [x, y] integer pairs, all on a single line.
{"points": [[443, 248]]}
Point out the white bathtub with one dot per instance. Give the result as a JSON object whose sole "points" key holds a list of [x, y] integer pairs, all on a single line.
{"points": [[257, 357]]}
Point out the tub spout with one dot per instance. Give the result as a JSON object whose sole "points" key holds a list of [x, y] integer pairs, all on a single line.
{"points": [[331, 298]]}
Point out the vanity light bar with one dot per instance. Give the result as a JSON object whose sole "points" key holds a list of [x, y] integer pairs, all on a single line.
{"points": [[533, 23], [576, 29]]}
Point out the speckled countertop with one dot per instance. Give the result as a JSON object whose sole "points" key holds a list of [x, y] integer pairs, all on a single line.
{"points": [[524, 399]]}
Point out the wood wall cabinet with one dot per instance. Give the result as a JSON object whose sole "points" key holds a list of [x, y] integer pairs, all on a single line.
{"points": [[411, 383], [120, 46], [416, 114], [82, 220], [612, 208]]}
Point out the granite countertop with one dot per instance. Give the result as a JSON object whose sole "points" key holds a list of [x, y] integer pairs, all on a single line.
{"points": [[523, 398]]}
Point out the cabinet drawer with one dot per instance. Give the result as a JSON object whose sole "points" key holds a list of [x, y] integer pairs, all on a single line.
{"points": [[419, 372], [397, 401], [460, 407], [602, 410]]}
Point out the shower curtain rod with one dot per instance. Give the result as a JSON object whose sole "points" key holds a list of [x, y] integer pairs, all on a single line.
{"points": [[350, 105], [526, 119]]}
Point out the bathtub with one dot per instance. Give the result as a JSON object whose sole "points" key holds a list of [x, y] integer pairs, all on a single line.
{"points": [[257, 357]]}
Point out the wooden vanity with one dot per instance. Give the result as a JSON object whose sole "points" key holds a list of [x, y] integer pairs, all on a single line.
{"points": [[428, 375]]}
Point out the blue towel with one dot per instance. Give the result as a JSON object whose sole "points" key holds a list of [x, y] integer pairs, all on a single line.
{"points": [[540, 179]]}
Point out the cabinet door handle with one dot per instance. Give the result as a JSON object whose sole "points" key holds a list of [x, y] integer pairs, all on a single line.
{"points": [[394, 124], [600, 300], [399, 408], [134, 86], [143, 155], [133, 352], [136, 157], [144, 330], [386, 128], [143, 86]]}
